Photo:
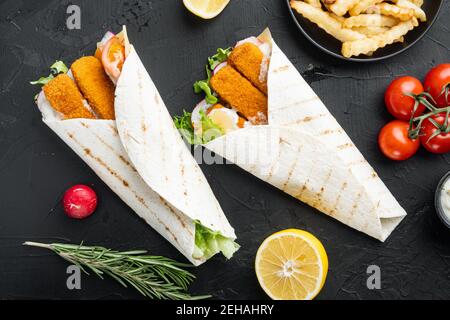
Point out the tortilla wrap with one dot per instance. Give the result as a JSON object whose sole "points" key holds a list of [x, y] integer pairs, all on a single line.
{"points": [[315, 161], [174, 195]]}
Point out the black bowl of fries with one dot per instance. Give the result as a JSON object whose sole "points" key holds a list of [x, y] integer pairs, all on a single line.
{"points": [[364, 30]]}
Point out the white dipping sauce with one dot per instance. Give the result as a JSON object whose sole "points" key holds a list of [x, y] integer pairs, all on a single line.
{"points": [[445, 199]]}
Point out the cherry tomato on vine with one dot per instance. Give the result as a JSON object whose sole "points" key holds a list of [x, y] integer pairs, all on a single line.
{"points": [[439, 143], [437, 81], [398, 103], [395, 143]]}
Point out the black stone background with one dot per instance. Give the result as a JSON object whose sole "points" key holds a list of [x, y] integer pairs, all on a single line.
{"points": [[36, 167]]}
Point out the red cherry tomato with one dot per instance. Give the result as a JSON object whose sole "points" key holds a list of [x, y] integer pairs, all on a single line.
{"points": [[394, 141], [441, 142], [80, 201], [436, 81], [400, 105]]}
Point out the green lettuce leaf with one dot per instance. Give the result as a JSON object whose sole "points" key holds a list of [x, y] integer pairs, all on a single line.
{"points": [[203, 85], [55, 69], [184, 125], [219, 57], [213, 62], [210, 130], [208, 243]]}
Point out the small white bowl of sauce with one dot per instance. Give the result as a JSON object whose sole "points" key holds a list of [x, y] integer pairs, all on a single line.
{"points": [[442, 200]]}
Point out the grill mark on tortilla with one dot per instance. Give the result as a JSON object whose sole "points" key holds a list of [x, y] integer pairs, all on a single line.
{"points": [[281, 141], [330, 131], [88, 152], [114, 129], [304, 186], [274, 163], [373, 175], [322, 189], [126, 184], [121, 157], [291, 170], [338, 199], [84, 124], [167, 205], [307, 119], [295, 104], [355, 205], [345, 146], [281, 69], [303, 189], [357, 162], [182, 170]]}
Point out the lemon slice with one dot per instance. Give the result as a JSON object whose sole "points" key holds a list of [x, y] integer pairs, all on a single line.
{"points": [[291, 265], [206, 9]]}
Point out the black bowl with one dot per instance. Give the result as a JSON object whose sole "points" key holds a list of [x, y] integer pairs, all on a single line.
{"points": [[437, 200], [330, 45]]}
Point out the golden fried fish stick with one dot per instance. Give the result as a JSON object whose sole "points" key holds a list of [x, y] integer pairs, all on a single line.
{"points": [[247, 59], [65, 98], [95, 85], [238, 92]]}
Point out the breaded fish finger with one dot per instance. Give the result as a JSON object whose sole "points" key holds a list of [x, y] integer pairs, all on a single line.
{"points": [[95, 85], [237, 91], [65, 98], [247, 59]]}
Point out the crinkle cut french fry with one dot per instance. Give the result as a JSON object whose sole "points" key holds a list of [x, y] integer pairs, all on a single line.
{"points": [[370, 31], [369, 20], [418, 12], [314, 3], [341, 7], [418, 3], [362, 6], [337, 18], [358, 47], [387, 9], [326, 22]]}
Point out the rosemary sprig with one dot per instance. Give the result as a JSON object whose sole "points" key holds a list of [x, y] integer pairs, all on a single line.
{"points": [[154, 277]]}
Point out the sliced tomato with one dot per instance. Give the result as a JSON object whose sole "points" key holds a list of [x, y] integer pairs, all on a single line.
{"points": [[113, 58], [431, 139], [395, 143], [437, 83], [397, 101]]}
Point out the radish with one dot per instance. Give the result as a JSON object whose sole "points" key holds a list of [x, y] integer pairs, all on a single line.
{"points": [[80, 201]]}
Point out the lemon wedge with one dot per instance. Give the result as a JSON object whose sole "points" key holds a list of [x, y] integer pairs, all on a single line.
{"points": [[206, 9], [291, 265]]}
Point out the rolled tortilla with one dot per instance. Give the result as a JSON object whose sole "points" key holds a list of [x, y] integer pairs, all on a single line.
{"points": [[174, 212], [315, 161]]}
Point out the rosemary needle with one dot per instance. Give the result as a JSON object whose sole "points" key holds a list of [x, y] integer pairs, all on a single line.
{"points": [[154, 277]]}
